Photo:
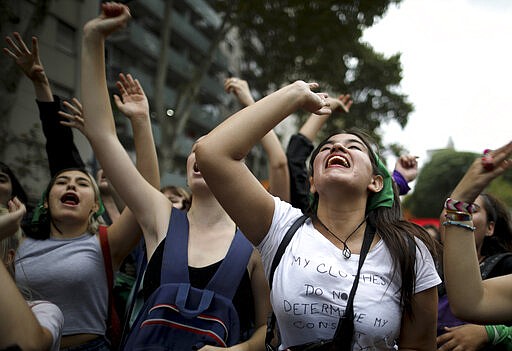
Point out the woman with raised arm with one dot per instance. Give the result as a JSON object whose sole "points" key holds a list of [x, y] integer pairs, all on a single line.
{"points": [[63, 252], [493, 242], [471, 298], [211, 230], [395, 303]]}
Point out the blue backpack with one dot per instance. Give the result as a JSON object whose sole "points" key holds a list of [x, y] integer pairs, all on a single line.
{"points": [[180, 317]]}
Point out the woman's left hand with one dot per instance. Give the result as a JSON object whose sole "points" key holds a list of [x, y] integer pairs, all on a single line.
{"points": [[316, 103]]}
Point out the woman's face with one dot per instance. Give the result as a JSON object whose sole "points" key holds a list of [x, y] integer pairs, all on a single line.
{"points": [[483, 228], [72, 196], [5, 188], [343, 159]]}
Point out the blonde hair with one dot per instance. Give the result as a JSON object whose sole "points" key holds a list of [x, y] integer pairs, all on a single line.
{"points": [[41, 220]]}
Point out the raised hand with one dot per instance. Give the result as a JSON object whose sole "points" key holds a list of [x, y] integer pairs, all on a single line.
{"points": [[75, 115], [407, 165], [10, 222], [114, 16], [28, 60], [316, 103], [240, 88], [133, 102], [342, 103], [482, 172]]}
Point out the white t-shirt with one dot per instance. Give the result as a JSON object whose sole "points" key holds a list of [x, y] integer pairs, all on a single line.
{"points": [[313, 280], [51, 318]]}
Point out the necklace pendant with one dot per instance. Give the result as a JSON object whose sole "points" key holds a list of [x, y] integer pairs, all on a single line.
{"points": [[346, 251]]}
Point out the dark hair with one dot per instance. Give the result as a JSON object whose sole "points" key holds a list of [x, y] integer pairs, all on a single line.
{"points": [[17, 189], [391, 227], [497, 212]]}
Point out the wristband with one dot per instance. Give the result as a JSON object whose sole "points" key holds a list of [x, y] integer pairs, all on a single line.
{"points": [[460, 225], [401, 182], [458, 216], [459, 206]]}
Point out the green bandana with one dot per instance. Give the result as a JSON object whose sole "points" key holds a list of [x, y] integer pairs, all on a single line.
{"points": [[384, 198]]}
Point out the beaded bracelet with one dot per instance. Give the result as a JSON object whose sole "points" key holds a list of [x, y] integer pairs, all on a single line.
{"points": [[459, 206], [458, 216], [459, 224]]}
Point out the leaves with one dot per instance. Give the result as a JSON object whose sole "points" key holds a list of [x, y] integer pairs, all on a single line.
{"points": [[320, 41]]}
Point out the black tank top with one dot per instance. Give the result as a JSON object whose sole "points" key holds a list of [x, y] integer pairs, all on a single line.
{"points": [[199, 277]]}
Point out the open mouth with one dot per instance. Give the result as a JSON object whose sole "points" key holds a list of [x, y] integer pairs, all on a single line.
{"points": [[70, 199], [337, 161]]}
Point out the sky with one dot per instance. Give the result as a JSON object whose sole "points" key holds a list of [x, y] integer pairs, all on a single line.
{"points": [[456, 58]]}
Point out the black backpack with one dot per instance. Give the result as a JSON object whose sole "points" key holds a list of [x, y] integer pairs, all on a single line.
{"points": [[180, 317]]}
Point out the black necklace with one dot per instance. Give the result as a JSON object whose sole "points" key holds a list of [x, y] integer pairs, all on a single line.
{"points": [[346, 250]]}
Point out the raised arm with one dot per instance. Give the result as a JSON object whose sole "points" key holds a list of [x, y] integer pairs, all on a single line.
{"points": [[30, 63], [220, 154], [124, 233], [314, 123], [472, 299], [406, 170], [300, 147], [279, 176], [134, 104], [60, 147], [150, 207]]}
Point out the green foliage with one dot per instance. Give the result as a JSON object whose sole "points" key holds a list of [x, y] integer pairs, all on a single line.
{"points": [[440, 176], [436, 180], [502, 188], [321, 41]]}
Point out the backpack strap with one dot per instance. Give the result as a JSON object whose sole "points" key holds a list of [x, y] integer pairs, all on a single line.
{"points": [[175, 255], [113, 321], [489, 263], [177, 231], [233, 266], [271, 322]]}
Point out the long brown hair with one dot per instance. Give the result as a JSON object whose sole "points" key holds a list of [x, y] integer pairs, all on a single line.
{"points": [[398, 234]]}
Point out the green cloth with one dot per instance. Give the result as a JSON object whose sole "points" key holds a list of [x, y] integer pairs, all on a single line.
{"points": [[500, 334], [385, 197]]}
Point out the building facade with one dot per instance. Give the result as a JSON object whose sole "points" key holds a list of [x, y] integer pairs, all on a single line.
{"points": [[136, 50]]}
